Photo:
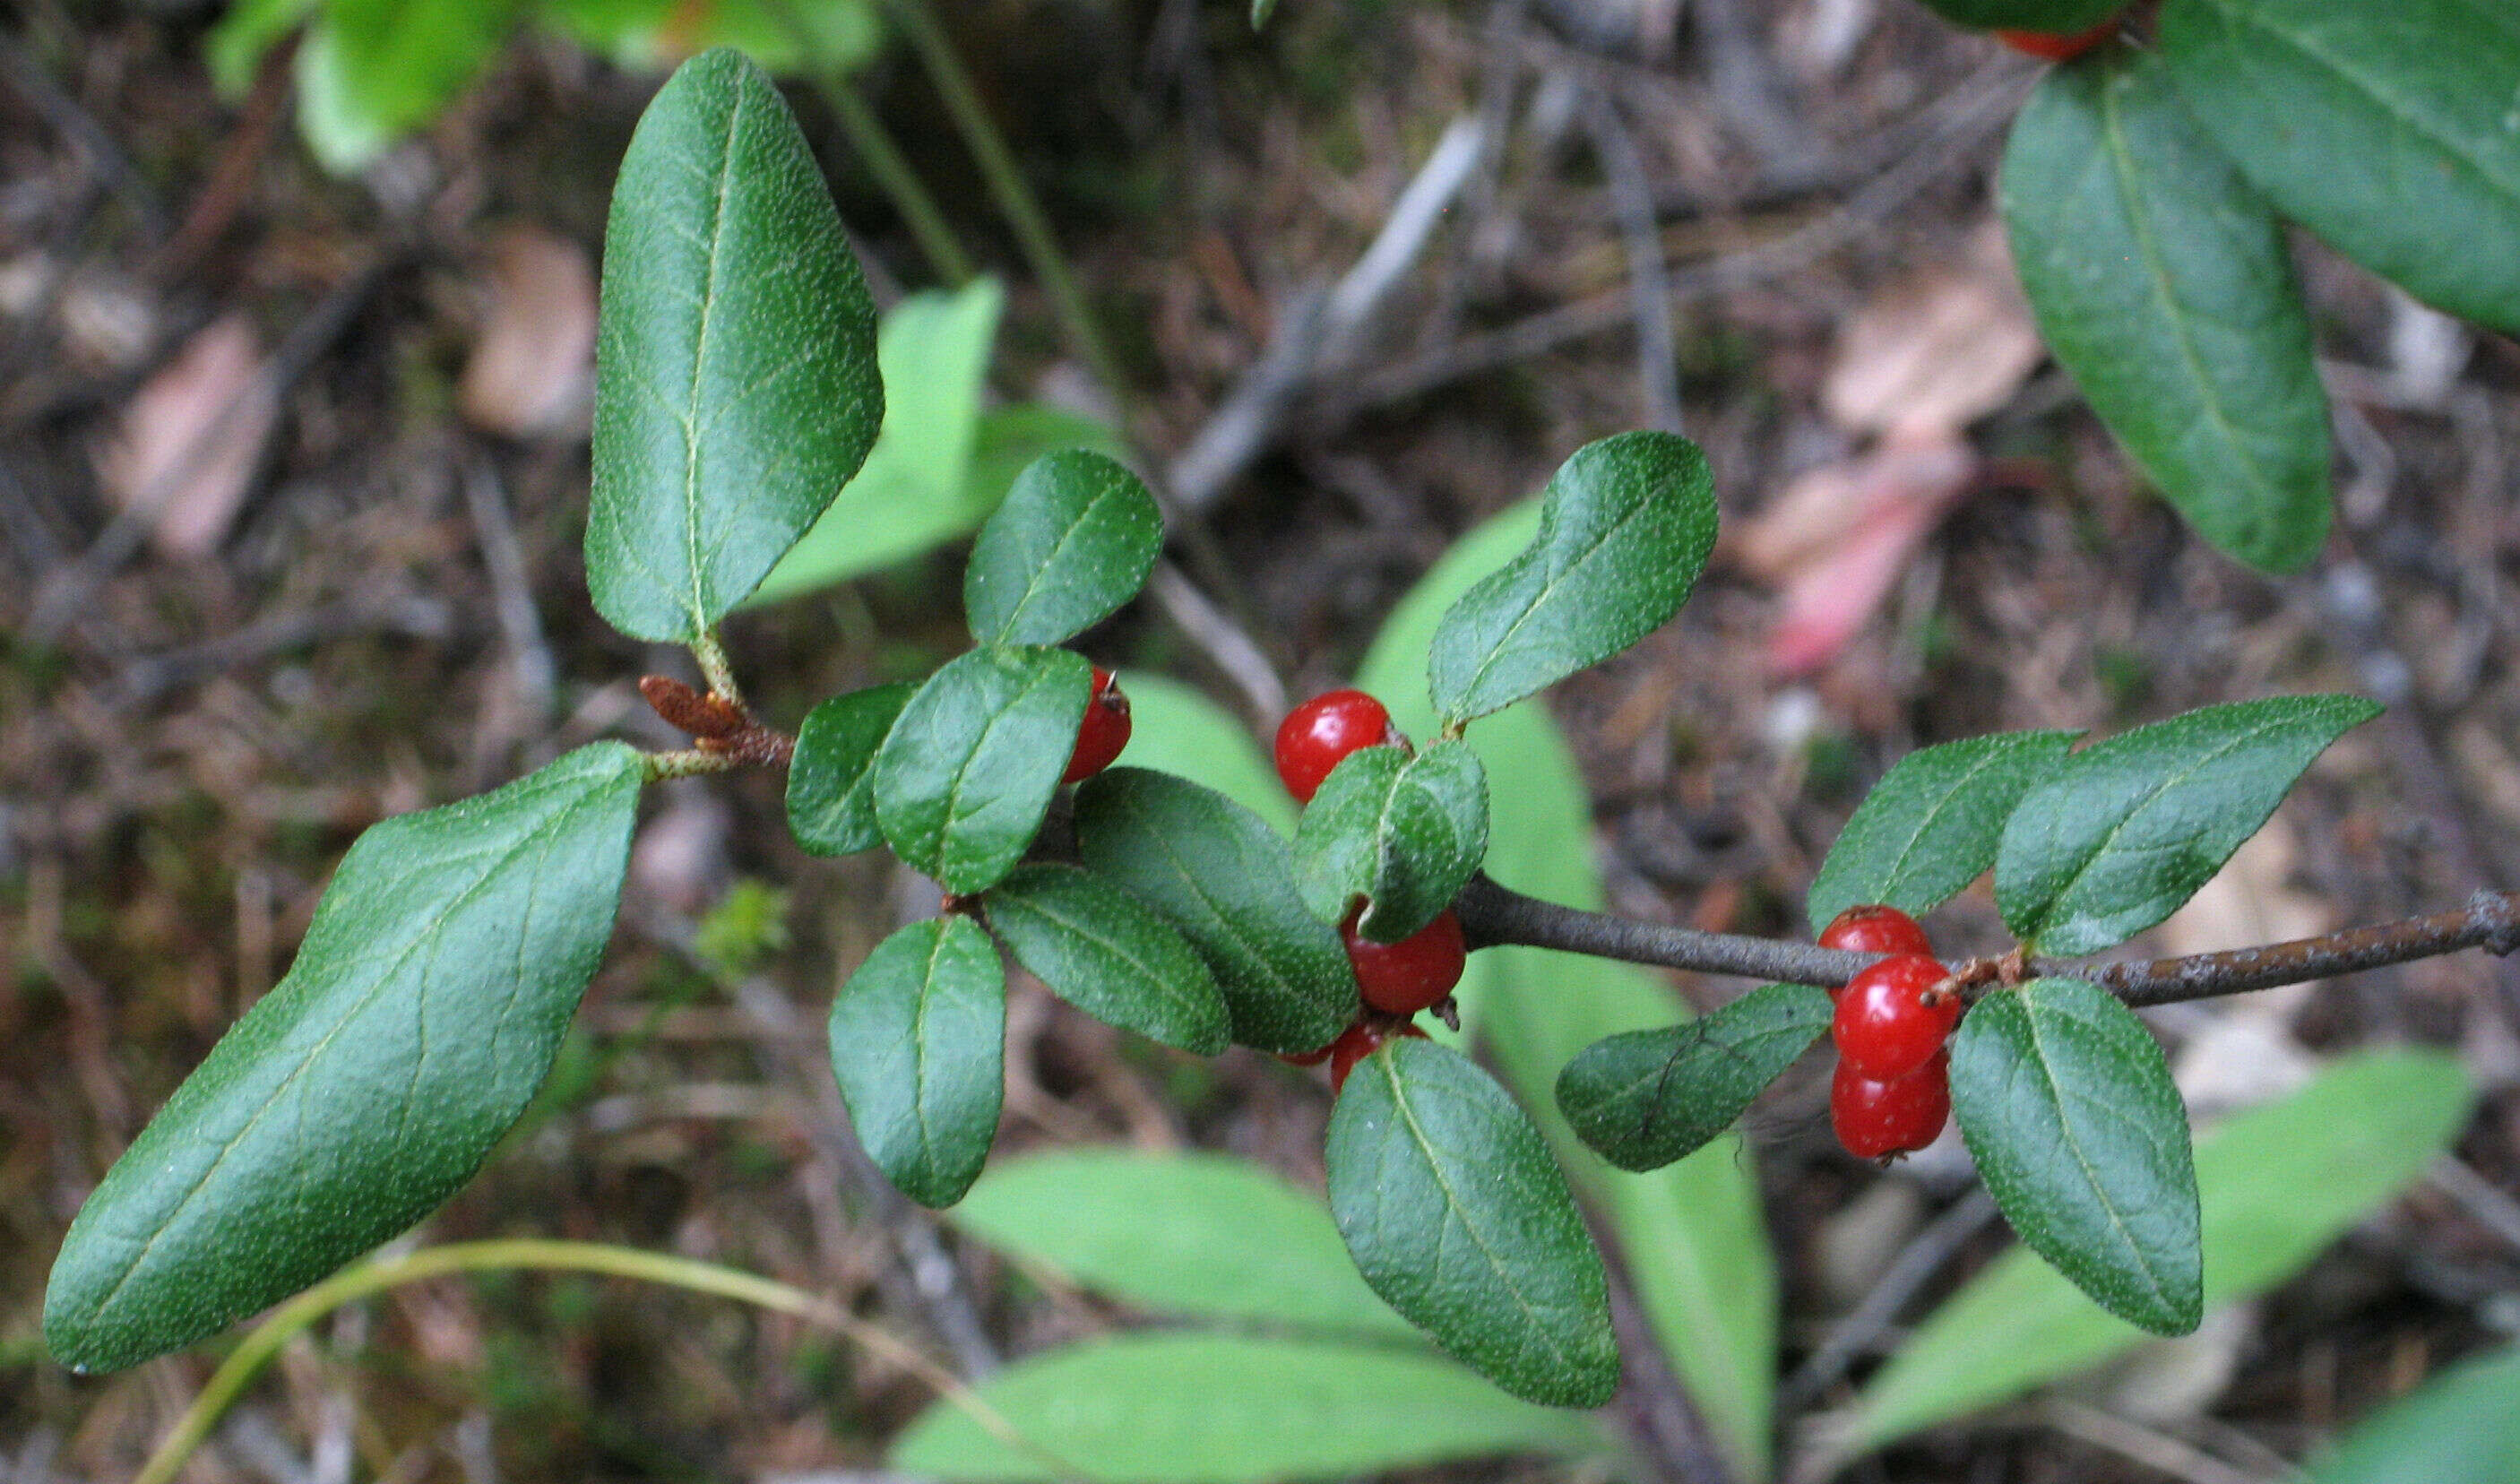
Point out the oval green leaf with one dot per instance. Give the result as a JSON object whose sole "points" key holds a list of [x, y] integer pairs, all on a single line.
{"points": [[1932, 823], [2386, 129], [736, 387], [1207, 1235], [831, 792], [2124, 832], [967, 770], [919, 1037], [1107, 954], [1073, 540], [2069, 1111], [422, 1011], [1402, 831], [1625, 528], [2163, 283], [1227, 884], [1455, 1213], [2276, 1185], [2067, 16], [1646, 1098], [1223, 1408], [2461, 1428]]}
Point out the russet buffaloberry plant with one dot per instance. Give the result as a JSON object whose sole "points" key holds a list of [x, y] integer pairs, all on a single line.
{"points": [[738, 391]]}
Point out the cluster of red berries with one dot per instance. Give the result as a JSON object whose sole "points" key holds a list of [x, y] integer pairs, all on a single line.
{"points": [[1893, 1092], [1397, 979]]}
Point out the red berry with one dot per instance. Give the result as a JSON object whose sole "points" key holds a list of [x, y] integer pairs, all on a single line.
{"points": [[1875, 929], [2051, 46], [1104, 731], [1323, 730], [1891, 1018], [1413, 974], [1879, 1119], [1360, 1041], [1312, 1058]]}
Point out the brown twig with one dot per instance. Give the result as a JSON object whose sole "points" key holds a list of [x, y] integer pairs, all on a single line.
{"points": [[1493, 915]]}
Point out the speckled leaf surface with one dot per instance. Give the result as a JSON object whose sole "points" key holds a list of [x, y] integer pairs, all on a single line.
{"points": [[1403, 832], [1456, 1215], [1932, 823], [1109, 955], [2068, 1108], [423, 1012], [919, 1037], [1625, 527], [831, 784], [1073, 540], [1644, 1099], [736, 387], [966, 773]]}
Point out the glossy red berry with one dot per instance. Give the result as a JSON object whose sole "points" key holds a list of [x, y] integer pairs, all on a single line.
{"points": [[1875, 929], [2054, 46], [1879, 1118], [1317, 735], [1104, 731], [1892, 1019], [1360, 1041], [1413, 974]]}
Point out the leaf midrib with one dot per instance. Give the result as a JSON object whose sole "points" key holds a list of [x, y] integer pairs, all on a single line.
{"points": [[2030, 1016]]}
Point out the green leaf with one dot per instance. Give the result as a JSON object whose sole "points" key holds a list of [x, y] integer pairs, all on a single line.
{"points": [[1204, 1234], [422, 1011], [1103, 952], [372, 70], [1404, 832], [1074, 540], [735, 385], [968, 770], [238, 42], [2276, 1185], [1647, 1097], [2462, 1426], [1175, 728], [831, 792], [2386, 129], [787, 37], [2069, 1111], [1010, 438], [1691, 1234], [1625, 527], [1456, 1214], [2122, 832], [2066, 17], [1220, 1408], [919, 1037], [1931, 826], [916, 490], [2163, 283], [1227, 884], [1260, 11]]}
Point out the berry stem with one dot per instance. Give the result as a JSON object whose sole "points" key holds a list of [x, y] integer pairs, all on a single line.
{"points": [[1493, 915]]}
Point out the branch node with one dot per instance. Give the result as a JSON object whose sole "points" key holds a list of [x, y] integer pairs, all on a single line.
{"points": [[2490, 912]]}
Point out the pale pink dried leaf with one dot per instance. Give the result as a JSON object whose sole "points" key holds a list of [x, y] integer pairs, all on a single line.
{"points": [[1937, 350], [184, 455], [1893, 497], [532, 372], [1824, 507]]}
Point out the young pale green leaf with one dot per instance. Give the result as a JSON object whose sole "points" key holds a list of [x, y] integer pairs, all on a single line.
{"points": [[1107, 954], [917, 488], [372, 70], [736, 387], [2163, 283], [2386, 129], [2462, 1426], [1227, 884], [2069, 1111], [967, 770], [1455, 1213], [1225, 1409], [919, 1037], [830, 790], [2276, 1184], [422, 1011], [1073, 540], [1625, 528], [1691, 1234], [1204, 1234], [1174, 729], [1260, 12], [1402, 831], [1646, 1098], [2122, 832], [2054, 17], [1931, 826]]}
